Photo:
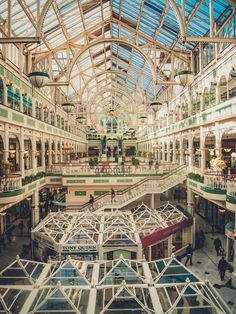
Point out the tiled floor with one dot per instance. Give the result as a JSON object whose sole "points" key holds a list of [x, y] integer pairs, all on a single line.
{"points": [[205, 264]]}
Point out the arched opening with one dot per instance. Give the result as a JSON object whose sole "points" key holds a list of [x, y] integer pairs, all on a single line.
{"points": [[232, 84], [14, 153], [206, 99], [177, 151], [53, 152], [1, 92], [38, 111], [38, 154], [228, 144], [46, 149], [17, 99], [212, 100], [196, 151], [210, 152], [185, 151], [223, 89], [28, 154], [10, 96], [196, 103]]}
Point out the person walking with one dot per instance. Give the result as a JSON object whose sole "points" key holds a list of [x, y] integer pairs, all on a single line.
{"points": [[222, 266], [217, 244], [91, 201], [113, 194], [189, 254]]}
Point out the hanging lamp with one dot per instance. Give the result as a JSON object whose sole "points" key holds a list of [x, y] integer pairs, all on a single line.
{"points": [[38, 79]]}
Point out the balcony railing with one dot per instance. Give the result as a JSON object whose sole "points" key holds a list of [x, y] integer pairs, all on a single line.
{"points": [[11, 183], [215, 181], [231, 186]]}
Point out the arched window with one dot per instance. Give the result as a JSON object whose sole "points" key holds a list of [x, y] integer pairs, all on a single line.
{"points": [[17, 99], [206, 99], [223, 89], [196, 103], [30, 106], [24, 102], [1, 92], [212, 95], [52, 118], [232, 84], [10, 96]]}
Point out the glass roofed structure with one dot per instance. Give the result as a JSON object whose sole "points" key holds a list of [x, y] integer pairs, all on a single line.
{"points": [[91, 235], [118, 286]]}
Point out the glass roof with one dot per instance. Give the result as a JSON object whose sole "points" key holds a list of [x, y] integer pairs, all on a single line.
{"points": [[144, 34], [120, 286]]}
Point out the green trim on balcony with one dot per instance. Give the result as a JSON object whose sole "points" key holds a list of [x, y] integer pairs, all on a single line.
{"points": [[12, 193], [80, 193], [30, 122], [101, 181], [212, 190], [124, 180], [17, 117], [56, 180], [75, 181], [3, 113], [98, 193], [230, 199], [193, 184], [32, 186]]}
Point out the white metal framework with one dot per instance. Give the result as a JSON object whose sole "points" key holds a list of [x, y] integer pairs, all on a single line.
{"points": [[118, 286], [123, 46], [87, 233]]}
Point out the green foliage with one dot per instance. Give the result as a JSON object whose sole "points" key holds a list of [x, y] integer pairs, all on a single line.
{"points": [[32, 178], [93, 162], [196, 177], [135, 161]]}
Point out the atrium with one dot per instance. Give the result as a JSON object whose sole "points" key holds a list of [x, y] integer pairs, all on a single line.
{"points": [[118, 156]]}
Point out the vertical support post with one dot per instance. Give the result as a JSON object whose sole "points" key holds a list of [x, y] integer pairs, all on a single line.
{"points": [[6, 142]]}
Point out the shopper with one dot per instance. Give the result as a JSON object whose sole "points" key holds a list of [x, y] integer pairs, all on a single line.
{"points": [[189, 254], [113, 194], [217, 244], [91, 200], [222, 266], [21, 226], [202, 238]]}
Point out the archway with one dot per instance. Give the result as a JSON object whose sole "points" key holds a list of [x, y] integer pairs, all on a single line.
{"points": [[212, 100], [38, 154], [223, 89], [196, 103], [28, 154], [196, 151], [14, 153], [232, 85], [206, 98], [209, 147], [228, 144]]}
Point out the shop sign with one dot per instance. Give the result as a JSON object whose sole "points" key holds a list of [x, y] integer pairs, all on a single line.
{"points": [[79, 249], [160, 234], [230, 232]]}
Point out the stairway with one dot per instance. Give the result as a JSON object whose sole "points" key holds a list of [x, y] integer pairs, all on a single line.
{"points": [[148, 185]]}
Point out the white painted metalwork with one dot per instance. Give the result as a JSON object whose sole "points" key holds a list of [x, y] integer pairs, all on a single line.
{"points": [[85, 287], [10, 184]]}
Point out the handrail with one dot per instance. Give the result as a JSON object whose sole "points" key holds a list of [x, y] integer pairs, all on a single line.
{"points": [[10, 183], [137, 184]]}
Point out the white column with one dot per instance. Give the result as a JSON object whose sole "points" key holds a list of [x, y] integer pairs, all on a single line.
{"points": [[50, 152], [202, 150], [43, 154], [181, 152], [174, 152], [168, 150], [35, 208], [190, 200], [34, 163], [6, 141], [22, 149], [56, 156]]}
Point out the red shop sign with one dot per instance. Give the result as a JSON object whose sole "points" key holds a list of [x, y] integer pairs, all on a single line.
{"points": [[158, 235]]}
